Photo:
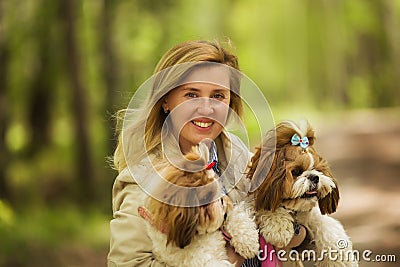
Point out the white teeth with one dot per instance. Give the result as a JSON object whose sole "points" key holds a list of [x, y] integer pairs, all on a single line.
{"points": [[202, 124]]}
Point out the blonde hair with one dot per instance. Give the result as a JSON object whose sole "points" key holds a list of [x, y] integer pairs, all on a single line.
{"points": [[151, 115]]}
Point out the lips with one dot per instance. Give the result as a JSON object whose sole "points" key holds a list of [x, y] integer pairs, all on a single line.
{"points": [[202, 124]]}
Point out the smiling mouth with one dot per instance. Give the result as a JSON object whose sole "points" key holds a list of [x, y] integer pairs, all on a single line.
{"points": [[202, 124]]}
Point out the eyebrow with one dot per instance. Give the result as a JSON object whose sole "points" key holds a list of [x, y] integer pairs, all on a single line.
{"points": [[193, 89]]}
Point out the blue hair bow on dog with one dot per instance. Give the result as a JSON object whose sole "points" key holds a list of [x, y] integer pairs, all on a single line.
{"points": [[297, 140]]}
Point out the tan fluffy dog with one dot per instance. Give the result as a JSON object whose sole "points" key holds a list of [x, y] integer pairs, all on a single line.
{"points": [[190, 235], [299, 188]]}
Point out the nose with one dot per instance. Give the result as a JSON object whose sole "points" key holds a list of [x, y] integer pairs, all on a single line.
{"points": [[313, 178], [205, 107]]}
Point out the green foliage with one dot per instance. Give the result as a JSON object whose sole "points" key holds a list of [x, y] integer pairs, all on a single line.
{"points": [[306, 56], [7, 215], [50, 231]]}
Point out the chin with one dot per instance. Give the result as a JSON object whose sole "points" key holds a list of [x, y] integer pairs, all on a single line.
{"points": [[299, 188], [190, 235]]}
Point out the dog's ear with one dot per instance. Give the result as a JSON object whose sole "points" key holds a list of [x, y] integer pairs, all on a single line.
{"points": [[270, 193], [183, 225], [329, 203], [310, 134], [262, 161]]}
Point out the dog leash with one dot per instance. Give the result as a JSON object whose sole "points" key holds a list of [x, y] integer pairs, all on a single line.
{"points": [[225, 234]]}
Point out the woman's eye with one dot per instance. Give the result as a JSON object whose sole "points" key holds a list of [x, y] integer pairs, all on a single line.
{"points": [[191, 95], [218, 96]]}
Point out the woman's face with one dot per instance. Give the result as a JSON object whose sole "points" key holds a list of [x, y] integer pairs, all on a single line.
{"points": [[199, 110]]}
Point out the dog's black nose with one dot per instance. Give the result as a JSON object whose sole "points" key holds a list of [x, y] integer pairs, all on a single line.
{"points": [[314, 178]]}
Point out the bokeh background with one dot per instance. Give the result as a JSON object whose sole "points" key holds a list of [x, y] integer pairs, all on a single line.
{"points": [[66, 66]]}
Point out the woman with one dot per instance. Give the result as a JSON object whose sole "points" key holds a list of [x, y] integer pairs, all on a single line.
{"points": [[191, 97]]}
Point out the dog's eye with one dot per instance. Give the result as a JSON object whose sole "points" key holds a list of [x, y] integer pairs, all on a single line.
{"points": [[296, 172]]}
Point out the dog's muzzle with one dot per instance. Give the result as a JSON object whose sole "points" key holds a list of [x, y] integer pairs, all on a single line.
{"points": [[312, 191]]}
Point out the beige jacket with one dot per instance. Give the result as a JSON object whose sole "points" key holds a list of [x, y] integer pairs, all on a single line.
{"points": [[129, 243]]}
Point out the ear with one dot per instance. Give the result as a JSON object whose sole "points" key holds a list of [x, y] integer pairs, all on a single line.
{"points": [[183, 227], [253, 163], [262, 161], [165, 105], [269, 194], [329, 203], [310, 134]]}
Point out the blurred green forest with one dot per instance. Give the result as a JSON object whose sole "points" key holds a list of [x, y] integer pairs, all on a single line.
{"points": [[66, 66]]}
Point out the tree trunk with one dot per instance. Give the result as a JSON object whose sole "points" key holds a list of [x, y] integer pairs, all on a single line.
{"points": [[84, 163], [40, 99], [110, 68], [391, 26], [336, 76], [4, 153]]}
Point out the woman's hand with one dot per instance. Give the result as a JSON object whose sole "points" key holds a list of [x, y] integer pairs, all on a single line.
{"points": [[233, 256], [297, 239]]}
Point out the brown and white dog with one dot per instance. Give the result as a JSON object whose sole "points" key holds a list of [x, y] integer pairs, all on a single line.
{"points": [[299, 188], [189, 235]]}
